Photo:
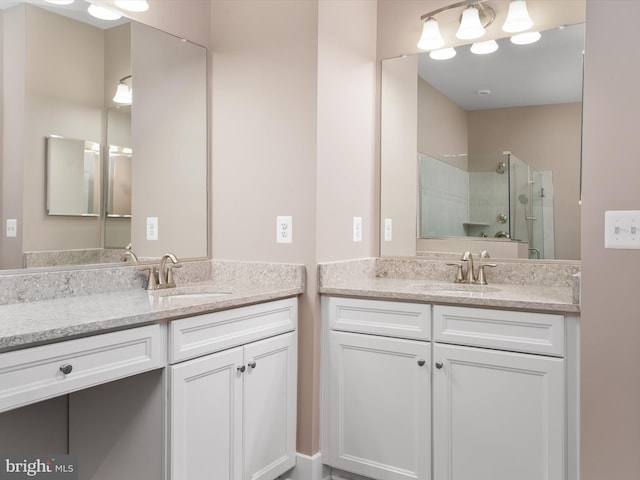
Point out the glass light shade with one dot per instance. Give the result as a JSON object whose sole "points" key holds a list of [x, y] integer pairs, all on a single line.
{"points": [[103, 13], [470, 25], [526, 38], [443, 53], [133, 5], [60, 2], [123, 94], [483, 48], [431, 38], [518, 19]]}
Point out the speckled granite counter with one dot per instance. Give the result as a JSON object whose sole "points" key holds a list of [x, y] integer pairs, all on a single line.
{"points": [[522, 286], [81, 311]]}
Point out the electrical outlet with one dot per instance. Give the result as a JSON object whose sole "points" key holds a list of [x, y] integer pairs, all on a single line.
{"points": [[357, 229], [284, 229], [152, 228], [622, 229], [12, 227], [388, 229]]}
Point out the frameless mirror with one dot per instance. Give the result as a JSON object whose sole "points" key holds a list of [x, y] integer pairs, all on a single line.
{"points": [[60, 77], [73, 177], [491, 144]]}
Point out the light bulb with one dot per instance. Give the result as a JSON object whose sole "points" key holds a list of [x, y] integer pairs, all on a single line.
{"points": [[431, 38], [483, 48], [103, 13], [470, 25], [133, 5], [443, 53], [526, 38], [518, 19], [60, 2]]}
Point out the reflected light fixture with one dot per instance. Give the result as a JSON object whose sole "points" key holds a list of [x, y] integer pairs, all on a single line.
{"points": [[518, 19], [526, 38], [124, 94], [470, 25], [443, 53], [431, 38], [60, 2], [103, 13], [484, 48], [133, 5]]}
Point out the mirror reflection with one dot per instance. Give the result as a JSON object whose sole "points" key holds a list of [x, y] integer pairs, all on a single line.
{"points": [[74, 182], [517, 110], [60, 76]]}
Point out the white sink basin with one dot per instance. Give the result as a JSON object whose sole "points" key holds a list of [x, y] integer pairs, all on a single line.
{"points": [[191, 293]]}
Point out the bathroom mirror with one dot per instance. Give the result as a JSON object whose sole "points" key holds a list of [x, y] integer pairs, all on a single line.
{"points": [[74, 180], [457, 111], [60, 77]]}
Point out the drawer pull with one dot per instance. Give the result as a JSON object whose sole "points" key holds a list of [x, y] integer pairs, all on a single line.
{"points": [[241, 368], [66, 368], [439, 365], [421, 362]]}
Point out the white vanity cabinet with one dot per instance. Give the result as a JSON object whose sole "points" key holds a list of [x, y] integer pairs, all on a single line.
{"points": [[233, 395], [496, 398]]}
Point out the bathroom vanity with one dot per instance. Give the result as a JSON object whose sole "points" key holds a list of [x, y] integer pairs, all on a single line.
{"points": [[190, 382], [428, 379]]}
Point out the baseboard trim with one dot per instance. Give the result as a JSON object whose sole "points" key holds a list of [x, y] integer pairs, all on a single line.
{"points": [[308, 468]]}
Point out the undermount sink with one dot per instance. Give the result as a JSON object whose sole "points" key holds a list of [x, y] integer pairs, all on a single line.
{"points": [[191, 293], [196, 295], [464, 289]]}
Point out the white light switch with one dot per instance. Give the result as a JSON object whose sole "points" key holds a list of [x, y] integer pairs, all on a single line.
{"points": [[12, 227], [357, 229], [152, 228], [284, 229], [622, 229], [388, 229]]}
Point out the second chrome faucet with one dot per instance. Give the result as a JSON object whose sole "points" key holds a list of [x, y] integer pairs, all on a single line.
{"points": [[161, 276]]}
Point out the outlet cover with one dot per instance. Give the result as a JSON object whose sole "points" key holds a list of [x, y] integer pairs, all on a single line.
{"points": [[284, 229], [388, 230], [152, 228], [357, 229], [12, 227]]}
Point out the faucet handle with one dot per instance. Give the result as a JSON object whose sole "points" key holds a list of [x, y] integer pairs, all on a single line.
{"points": [[459, 278], [484, 254], [152, 279], [481, 277], [170, 280]]}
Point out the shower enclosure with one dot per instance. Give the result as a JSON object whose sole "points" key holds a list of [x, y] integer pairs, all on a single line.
{"points": [[494, 195]]}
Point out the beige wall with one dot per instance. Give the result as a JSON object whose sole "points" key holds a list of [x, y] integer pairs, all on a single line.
{"points": [[547, 137], [610, 330]]}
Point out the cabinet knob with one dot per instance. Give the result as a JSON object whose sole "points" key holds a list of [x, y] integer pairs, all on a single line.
{"points": [[421, 362], [66, 368], [439, 365], [241, 368], [252, 364]]}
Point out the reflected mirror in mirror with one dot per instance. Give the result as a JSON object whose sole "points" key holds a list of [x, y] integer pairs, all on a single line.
{"points": [[73, 177], [60, 76], [474, 112]]}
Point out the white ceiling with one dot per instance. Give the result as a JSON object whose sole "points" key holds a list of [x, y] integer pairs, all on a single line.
{"points": [[546, 72]]}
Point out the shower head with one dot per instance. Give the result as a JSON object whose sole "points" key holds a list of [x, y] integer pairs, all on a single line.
{"points": [[523, 199], [501, 167]]}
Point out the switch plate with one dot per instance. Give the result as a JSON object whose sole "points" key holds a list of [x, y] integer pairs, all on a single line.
{"points": [[357, 229], [622, 229], [12, 227], [152, 228], [388, 229], [284, 229]]}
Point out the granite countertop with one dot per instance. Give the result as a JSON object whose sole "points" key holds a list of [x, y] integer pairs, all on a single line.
{"points": [[519, 287], [29, 323]]}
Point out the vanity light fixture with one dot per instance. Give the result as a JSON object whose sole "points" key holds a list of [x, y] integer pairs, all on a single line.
{"points": [[103, 13], [124, 94], [443, 53], [470, 25], [518, 19], [61, 2], [526, 38], [133, 5], [430, 38]]}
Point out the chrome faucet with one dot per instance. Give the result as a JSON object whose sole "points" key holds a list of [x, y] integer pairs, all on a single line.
{"points": [[165, 271], [129, 256], [470, 276]]}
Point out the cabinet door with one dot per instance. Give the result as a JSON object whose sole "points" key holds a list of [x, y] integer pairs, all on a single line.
{"points": [[380, 406], [206, 418], [497, 415], [270, 407]]}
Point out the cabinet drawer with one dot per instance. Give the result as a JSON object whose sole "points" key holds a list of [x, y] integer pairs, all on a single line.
{"points": [[501, 329], [34, 374], [212, 332], [380, 317]]}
